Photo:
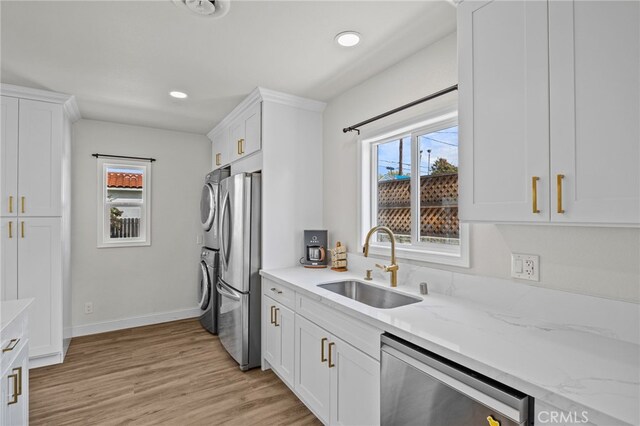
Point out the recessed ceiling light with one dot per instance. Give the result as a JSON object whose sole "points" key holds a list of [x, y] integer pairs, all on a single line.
{"points": [[178, 95], [348, 38]]}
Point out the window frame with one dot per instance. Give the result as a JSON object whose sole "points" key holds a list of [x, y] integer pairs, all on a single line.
{"points": [[416, 250], [104, 239]]}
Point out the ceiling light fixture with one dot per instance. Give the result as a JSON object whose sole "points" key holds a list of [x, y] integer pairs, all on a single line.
{"points": [[348, 38], [177, 95], [206, 8]]}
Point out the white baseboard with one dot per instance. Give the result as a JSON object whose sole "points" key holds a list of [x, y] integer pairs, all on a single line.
{"points": [[121, 324]]}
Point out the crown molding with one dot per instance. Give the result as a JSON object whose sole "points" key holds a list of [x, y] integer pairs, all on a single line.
{"points": [[68, 101], [261, 94]]}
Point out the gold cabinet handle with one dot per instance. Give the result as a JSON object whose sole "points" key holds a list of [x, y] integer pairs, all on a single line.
{"points": [[14, 397], [241, 146], [11, 346], [10, 203], [217, 159], [331, 364], [275, 290], [272, 308], [238, 146], [275, 317], [22, 229], [10, 229], [323, 357], [18, 371], [534, 193], [559, 192], [22, 204]]}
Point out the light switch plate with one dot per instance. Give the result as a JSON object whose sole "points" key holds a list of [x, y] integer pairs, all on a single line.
{"points": [[525, 266]]}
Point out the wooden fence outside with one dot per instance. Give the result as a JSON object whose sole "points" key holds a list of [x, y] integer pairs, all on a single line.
{"points": [[127, 227], [438, 205]]}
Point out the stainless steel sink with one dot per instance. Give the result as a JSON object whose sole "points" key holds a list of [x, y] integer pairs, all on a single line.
{"points": [[370, 295]]}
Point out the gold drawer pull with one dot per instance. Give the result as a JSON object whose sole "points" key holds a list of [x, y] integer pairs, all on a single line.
{"points": [[22, 229], [275, 290], [22, 202], [10, 229], [559, 191], [10, 203], [19, 372], [323, 357], [534, 192], [11, 346], [331, 364], [272, 320], [275, 317], [217, 159], [14, 397]]}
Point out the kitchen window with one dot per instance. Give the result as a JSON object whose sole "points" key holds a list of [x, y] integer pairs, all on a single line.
{"points": [[123, 203], [410, 184]]}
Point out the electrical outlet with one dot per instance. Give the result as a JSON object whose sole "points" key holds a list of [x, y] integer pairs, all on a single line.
{"points": [[88, 308], [525, 266]]}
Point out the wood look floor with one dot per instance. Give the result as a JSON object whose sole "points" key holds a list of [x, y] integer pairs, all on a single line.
{"points": [[174, 373]]}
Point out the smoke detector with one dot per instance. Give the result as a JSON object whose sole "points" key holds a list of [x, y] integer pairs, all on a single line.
{"points": [[206, 8]]}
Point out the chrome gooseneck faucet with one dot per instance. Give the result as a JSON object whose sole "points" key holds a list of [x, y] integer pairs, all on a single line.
{"points": [[393, 268]]}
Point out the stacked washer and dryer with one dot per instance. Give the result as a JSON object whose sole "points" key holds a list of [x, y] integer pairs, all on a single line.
{"points": [[209, 256]]}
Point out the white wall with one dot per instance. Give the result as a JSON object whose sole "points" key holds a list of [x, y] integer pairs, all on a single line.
{"points": [[597, 261], [131, 282]]}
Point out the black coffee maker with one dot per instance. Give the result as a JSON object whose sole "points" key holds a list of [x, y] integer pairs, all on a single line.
{"points": [[315, 249]]}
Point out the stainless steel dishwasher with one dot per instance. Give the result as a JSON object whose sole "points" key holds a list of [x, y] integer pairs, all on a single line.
{"points": [[421, 388]]}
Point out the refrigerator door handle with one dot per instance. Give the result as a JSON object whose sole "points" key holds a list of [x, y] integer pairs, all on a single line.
{"points": [[224, 291], [223, 235]]}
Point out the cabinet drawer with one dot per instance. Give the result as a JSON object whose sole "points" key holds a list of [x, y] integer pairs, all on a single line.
{"points": [[14, 338], [279, 293], [360, 335]]}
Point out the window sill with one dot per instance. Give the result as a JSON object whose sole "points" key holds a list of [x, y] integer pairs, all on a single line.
{"points": [[452, 259], [125, 244]]}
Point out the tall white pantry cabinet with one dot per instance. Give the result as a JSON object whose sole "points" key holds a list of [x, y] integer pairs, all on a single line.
{"points": [[34, 210], [549, 103]]}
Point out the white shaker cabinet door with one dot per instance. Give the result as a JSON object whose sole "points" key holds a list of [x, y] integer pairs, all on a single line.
{"points": [[9, 157], [40, 158], [40, 272], [312, 375], [9, 259], [595, 108], [285, 319], [503, 111], [355, 386]]}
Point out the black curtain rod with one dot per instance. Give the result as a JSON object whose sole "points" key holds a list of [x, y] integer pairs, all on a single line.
{"points": [[123, 156], [401, 108]]}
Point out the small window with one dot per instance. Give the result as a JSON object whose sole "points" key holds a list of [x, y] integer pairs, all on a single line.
{"points": [[412, 188], [123, 203]]}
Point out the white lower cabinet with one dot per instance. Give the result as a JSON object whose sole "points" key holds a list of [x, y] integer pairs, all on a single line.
{"points": [[15, 390], [339, 383], [313, 377], [355, 386], [279, 338], [305, 343]]}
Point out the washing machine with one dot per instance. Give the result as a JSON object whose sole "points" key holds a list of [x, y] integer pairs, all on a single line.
{"points": [[207, 294], [209, 208]]}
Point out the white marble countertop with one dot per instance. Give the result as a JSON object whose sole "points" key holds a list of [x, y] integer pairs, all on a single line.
{"points": [[10, 310], [571, 366]]}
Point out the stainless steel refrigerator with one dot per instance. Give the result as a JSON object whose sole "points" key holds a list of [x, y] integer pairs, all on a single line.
{"points": [[238, 283]]}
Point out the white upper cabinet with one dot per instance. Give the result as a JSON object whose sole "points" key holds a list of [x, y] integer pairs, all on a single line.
{"points": [[9, 157], [594, 50], [220, 144], [32, 138], [504, 110], [245, 133], [549, 107], [40, 158]]}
